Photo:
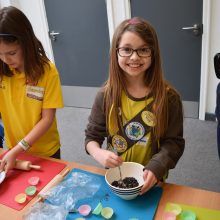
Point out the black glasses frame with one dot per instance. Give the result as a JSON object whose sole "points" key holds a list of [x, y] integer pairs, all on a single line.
{"points": [[134, 50]]}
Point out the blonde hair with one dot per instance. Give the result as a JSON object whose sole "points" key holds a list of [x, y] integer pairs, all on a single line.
{"points": [[154, 78]]}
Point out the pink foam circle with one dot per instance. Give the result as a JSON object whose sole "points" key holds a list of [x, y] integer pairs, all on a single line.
{"points": [[34, 180], [169, 216], [84, 210]]}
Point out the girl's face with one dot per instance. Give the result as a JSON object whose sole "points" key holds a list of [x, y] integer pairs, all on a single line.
{"points": [[134, 65], [11, 54]]}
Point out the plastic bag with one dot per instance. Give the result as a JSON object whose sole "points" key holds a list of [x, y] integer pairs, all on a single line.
{"points": [[45, 211], [75, 186]]}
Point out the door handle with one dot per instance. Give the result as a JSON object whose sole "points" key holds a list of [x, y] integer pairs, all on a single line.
{"points": [[53, 35], [196, 29]]}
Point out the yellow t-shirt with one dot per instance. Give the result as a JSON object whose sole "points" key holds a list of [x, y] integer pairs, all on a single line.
{"points": [[141, 151], [21, 107]]}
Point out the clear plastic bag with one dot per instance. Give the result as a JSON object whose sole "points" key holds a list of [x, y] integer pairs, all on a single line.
{"points": [[45, 211], [76, 186]]}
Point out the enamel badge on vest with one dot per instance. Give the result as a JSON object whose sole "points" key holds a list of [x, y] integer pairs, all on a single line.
{"points": [[134, 131], [119, 143]]}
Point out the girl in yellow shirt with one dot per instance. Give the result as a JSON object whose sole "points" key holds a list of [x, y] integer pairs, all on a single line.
{"points": [[30, 90]]}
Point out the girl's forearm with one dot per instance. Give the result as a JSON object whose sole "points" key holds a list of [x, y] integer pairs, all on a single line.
{"points": [[41, 127], [93, 148]]}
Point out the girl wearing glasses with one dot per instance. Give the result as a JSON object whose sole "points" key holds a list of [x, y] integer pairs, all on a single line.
{"points": [[137, 110], [30, 90]]}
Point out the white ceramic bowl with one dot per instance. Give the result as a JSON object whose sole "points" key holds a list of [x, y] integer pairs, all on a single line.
{"points": [[128, 169]]}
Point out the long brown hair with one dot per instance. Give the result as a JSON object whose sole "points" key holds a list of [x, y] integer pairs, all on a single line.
{"points": [[154, 78], [15, 27]]}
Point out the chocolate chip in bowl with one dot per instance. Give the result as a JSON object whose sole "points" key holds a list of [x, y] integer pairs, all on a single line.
{"points": [[127, 183], [132, 181]]}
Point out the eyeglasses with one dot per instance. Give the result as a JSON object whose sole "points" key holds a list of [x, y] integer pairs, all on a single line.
{"points": [[127, 51]]}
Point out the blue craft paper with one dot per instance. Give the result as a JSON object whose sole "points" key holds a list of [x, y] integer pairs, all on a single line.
{"points": [[141, 208]]}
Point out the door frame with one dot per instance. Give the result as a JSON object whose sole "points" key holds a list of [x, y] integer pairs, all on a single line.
{"points": [[117, 12]]}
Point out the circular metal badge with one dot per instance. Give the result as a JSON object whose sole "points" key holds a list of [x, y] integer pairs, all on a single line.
{"points": [[148, 118], [119, 143], [134, 131]]}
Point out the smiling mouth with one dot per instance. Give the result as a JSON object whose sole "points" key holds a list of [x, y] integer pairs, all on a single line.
{"points": [[132, 65]]}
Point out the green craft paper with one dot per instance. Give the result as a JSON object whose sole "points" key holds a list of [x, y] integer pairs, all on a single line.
{"points": [[201, 213]]}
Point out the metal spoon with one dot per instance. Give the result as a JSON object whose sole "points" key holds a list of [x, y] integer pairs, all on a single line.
{"points": [[120, 181]]}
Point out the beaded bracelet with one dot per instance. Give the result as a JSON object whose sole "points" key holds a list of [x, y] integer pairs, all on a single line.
{"points": [[24, 144]]}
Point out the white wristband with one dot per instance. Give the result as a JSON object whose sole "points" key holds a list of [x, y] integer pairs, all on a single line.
{"points": [[23, 144]]}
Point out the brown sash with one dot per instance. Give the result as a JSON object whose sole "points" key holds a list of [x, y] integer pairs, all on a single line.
{"points": [[133, 131]]}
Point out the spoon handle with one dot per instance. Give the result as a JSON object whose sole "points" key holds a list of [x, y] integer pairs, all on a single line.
{"points": [[119, 167]]}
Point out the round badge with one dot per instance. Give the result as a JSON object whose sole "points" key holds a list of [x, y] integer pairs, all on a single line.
{"points": [[119, 143], [134, 131], [148, 118]]}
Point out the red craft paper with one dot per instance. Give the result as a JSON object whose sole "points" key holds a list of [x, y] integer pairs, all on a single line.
{"points": [[16, 181]]}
